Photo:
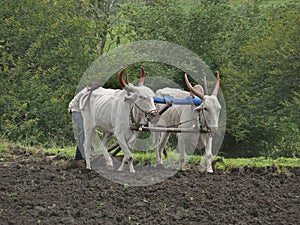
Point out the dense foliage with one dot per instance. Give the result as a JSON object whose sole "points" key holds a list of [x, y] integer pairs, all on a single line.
{"points": [[46, 46]]}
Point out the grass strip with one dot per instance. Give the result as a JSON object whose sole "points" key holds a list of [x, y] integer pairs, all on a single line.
{"points": [[149, 158]]}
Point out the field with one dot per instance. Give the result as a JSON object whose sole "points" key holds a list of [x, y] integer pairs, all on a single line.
{"points": [[40, 188]]}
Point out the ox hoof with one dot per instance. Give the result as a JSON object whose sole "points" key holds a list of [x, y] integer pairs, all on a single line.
{"points": [[182, 167], [132, 171], [109, 167], [209, 171], [159, 166], [109, 164], [121, 169], [202, 168]]}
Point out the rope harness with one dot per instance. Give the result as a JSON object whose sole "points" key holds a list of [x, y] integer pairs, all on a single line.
{"points": [[148, 115], [203, 123]]}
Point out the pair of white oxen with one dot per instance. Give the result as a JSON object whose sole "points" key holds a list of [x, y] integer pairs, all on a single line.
{"points": [[115, 111]]}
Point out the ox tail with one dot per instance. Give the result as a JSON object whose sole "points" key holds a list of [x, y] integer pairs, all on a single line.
{"points": [[84, 100]]}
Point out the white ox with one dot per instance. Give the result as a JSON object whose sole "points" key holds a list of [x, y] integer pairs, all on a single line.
{"points": [[114, 111], [204, 116]]}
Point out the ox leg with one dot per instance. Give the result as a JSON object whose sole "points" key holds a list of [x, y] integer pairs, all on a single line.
{"points": [[161, 140], [132, 140], [89, 137], [103, 143], [127, 155], [208, 154], [156, 142], [127, 158], [181, 146]]}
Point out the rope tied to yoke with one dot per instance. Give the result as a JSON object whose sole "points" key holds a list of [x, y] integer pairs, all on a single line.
{"points": [[180, 123], [148, 115]]}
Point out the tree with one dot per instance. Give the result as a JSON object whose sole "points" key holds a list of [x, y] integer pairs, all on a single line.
{"points": [[273, 75], [45, 48], [240, 41]]}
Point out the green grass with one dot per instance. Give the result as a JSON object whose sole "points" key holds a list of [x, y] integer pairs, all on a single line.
{"points": [[224, 163], [257, 162], [149, 157], [190, 3], [68, 152]]}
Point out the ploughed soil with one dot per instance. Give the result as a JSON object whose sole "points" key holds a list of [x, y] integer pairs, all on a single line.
{"points": [[36, 188]]}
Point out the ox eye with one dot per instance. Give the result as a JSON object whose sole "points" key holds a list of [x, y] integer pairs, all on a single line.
{"points": [[205, 109]]}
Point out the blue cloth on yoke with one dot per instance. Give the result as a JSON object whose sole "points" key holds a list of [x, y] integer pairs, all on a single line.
{"points": [[178, 101]]}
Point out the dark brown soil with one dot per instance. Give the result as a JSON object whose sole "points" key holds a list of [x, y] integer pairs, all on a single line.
{"points": [[38, 189]]}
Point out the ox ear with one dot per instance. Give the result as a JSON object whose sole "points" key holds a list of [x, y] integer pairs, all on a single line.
{"points": [[199, 108], [129, 98], [130, 89]]}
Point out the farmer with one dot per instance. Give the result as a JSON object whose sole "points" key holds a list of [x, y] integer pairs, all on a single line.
{"points": [[75, 112]]}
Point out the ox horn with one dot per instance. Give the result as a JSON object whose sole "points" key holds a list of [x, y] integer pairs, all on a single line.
{"points": [[142, 77], [122, 82], [217, 85], [126, 79], [191, 88]]}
